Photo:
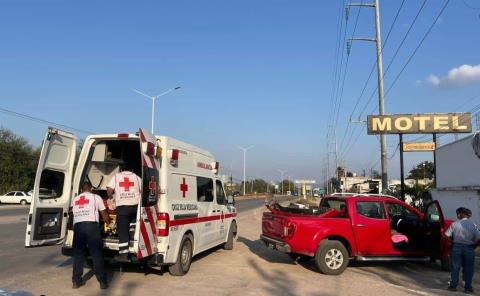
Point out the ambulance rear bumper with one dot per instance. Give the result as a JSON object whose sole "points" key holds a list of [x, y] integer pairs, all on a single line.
{"points": [[155, 259], [107, 254]]}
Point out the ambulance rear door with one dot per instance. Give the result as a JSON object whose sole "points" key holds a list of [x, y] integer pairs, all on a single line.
{"points": [[146, 230], [47, 219]]}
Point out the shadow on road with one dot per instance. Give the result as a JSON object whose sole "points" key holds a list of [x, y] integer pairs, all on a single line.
{"points": [[258, 248], [414, 275]]}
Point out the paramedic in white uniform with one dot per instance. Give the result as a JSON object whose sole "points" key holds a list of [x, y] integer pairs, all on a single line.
{"points": [[124, 188], [86, 235]]}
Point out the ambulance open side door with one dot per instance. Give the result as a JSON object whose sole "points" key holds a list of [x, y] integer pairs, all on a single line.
{"points": [[146, 235], [48, 215]]}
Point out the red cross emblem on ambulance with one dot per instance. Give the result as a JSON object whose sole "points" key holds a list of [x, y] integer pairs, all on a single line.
{"points": [[184, 188], [152, 185]]}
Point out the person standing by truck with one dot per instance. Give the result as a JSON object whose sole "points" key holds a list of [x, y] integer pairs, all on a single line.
{"points": [[465, 237], [85, 208], [124, 188]]}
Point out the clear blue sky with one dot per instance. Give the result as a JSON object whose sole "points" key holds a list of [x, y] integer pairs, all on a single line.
{"points": [[252, 73]]}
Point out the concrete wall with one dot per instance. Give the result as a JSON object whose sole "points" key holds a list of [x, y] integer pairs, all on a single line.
{"points": [[457, 165], [451, 200]]}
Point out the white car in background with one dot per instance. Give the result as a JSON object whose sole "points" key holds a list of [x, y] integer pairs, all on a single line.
{"points": [[18, 197]]}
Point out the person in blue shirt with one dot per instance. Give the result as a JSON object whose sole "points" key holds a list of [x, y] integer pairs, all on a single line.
{"points": [[465, 237]]}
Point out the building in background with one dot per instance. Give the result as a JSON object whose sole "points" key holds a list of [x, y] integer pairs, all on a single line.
{"points": [[458, 177]]}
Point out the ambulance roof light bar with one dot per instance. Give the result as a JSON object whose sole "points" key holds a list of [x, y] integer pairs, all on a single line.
{"points": [[153, 98]]}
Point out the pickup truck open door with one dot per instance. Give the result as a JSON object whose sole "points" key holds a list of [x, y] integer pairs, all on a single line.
{"points": [[434, 223], [47, 218]]}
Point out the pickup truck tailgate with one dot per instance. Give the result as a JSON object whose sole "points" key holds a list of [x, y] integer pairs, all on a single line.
{"points": [[273, 225]]}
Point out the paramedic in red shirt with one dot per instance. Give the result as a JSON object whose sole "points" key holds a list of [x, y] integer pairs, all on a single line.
{"points": [[124, 188], [86, 235]]}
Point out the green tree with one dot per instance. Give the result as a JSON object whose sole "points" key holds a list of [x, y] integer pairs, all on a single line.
{"points": [[256, 186], [286, 185], [18, 162], [422, 170]]}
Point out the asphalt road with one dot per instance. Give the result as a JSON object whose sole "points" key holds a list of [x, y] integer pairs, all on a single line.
{"points": [[16, 259], [250, 269]]}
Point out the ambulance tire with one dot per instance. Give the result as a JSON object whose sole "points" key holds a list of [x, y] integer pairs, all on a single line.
{"points": [[184, 258], [231, 235]]}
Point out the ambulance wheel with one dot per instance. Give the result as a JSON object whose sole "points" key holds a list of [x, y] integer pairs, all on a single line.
{"points": [[331, 257], [231, 235], [184, 258]]}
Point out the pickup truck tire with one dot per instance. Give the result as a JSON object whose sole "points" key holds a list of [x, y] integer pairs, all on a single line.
{"points": [[184, 258], [231, 235], [331, 257]]}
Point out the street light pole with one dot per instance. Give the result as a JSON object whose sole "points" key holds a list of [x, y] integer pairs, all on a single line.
{"points": [[281, 180], [245, 149], [153, 98]]}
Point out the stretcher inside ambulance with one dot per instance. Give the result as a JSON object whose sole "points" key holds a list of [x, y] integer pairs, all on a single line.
{"points": [[183, 207]]}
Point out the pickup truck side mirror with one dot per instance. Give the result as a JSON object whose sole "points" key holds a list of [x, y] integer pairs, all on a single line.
{"points": [[231, 200]]}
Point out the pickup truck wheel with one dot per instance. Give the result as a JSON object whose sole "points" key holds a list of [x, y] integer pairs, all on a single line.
{"points": [[231, 235], [184, 258], [331, 257]]}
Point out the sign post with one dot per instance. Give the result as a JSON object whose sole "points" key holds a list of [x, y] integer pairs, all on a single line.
{"points": [[433, 123]]}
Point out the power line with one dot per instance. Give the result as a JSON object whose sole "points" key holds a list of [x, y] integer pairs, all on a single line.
{"points": [[418, 47], [346, 67], [336, 74], [40, 120], [368, 80], [413, 54], [395, 54]]}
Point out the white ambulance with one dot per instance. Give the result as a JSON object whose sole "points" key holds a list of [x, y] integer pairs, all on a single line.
{"points": [[183, 211]]}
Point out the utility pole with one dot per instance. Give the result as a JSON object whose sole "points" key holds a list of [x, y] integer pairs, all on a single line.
{"points": [[381, 101], [336, 159], [245, 149]]}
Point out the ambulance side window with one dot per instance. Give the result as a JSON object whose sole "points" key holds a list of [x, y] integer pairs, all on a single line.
{"points": [[221, 200], [204, 189], [51, 184]]}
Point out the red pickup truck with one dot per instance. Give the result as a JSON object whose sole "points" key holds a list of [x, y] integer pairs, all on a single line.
{"points": [[358, 227]]}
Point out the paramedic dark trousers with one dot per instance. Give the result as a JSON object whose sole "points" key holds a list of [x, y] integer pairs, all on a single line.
{"points": [[125, 216], [87, 236], [462, 256]]}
